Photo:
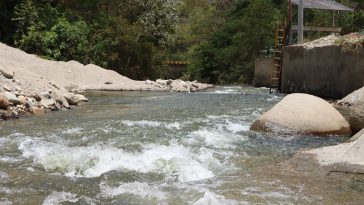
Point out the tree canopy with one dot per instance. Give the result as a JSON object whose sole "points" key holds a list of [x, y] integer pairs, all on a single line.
{"points": [[219, 38]]}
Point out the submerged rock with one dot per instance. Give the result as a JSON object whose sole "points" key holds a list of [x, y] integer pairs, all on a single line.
{"points": [[303, 113]]}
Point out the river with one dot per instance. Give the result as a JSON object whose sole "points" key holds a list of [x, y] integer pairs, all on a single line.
{"points": [[161, 148]]}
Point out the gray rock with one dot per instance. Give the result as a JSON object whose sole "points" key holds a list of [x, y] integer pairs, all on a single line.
{"points": [[36, 97], [12, 98], [38, 111], [7, 74], [46, 95], [82, 98], [149, 82], [22, 99], [180, 86], [7, 88], [74, 99], [60, 100], [48, 103], [18, 89], [30, 103], [164, 82], [4, 103]]}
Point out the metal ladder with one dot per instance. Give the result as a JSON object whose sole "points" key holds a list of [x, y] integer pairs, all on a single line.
{"points": [[280, 37]]}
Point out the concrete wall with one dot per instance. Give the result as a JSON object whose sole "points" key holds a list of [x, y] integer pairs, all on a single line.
{"points": [[263, 70], [327, 72]]}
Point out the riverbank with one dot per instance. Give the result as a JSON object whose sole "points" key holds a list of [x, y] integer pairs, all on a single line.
{"points": [[30, 84]]}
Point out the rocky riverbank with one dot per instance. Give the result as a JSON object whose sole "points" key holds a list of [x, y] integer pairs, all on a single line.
{"points": [[32, 85]]}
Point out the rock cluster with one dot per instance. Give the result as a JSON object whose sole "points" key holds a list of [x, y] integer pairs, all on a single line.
{"points": [[14, 102], [179, 85]]}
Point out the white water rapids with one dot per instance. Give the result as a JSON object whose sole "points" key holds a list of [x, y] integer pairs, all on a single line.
{"points": [[152, 148]]}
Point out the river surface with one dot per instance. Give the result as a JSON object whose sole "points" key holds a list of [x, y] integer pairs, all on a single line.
{"points": [[161, 148]]}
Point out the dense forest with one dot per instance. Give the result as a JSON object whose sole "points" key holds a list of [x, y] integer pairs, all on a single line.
{"points": [[219, 38]]}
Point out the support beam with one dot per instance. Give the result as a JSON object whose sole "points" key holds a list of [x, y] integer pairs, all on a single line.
{"points": [[300, 21]]}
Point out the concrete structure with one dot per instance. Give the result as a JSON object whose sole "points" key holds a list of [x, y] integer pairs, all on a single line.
{"points": [[176, 69], [263, 72], [328, 72]]}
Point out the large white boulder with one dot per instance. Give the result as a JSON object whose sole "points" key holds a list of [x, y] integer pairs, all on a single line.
{"points": [[303, 113]]}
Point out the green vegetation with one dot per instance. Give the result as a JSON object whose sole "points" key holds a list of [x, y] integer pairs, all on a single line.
{"points": [[220, 39]]}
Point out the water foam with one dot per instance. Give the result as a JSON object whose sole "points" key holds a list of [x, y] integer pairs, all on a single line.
{"points": [[146, 123], [174, 160], [216, 138], [3, 176], [5, 202], [211, 198], [235, 127], [227, 91], [74, 130], [139, 189], [59, 197]]}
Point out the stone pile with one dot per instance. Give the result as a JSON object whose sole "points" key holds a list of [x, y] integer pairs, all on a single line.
{"points": [[14, 102], [179, 85]]}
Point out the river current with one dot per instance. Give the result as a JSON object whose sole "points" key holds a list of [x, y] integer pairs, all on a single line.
{"points": [[161, 148]]}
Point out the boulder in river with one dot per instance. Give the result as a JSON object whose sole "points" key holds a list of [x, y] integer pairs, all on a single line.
{"points": [[303, 113]]}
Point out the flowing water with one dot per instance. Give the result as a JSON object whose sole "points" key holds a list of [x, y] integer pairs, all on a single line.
{"points": [[161, 148]]}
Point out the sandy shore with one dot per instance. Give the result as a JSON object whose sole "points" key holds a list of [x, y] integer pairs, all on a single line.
{"points": [[29, 83]]}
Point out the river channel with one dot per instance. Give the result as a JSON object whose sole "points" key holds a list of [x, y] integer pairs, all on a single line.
{"points": [[161, 148]]}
